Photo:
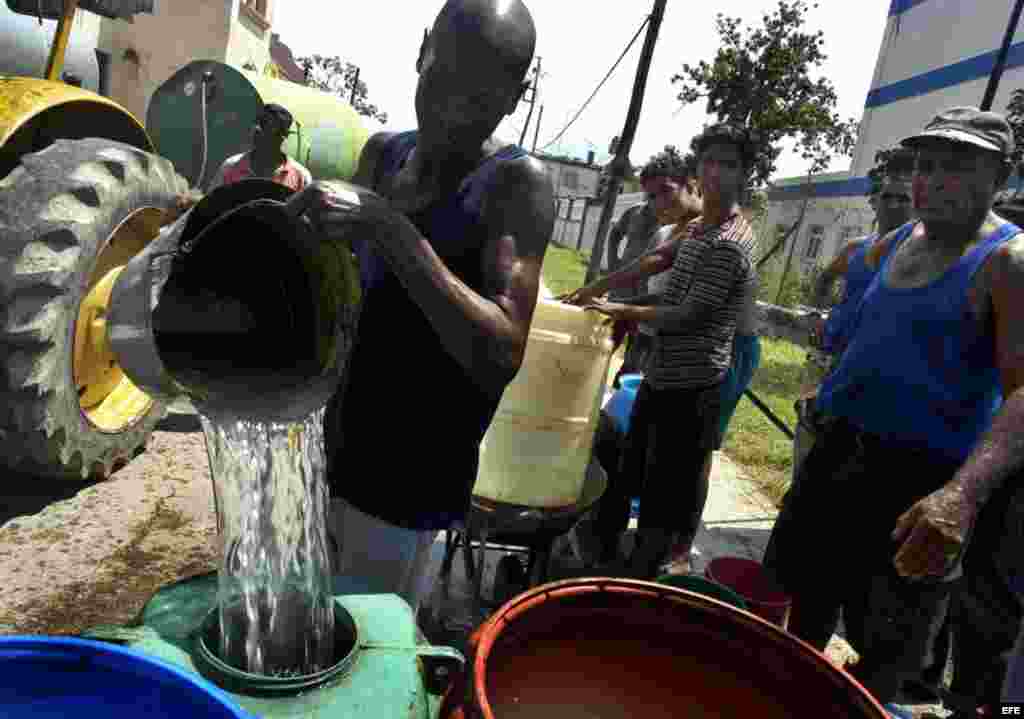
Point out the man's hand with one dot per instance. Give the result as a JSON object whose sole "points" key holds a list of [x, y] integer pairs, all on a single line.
{"points": [[615, 311], [582, 296], [341, 209], [183, 204], [933, 533]]}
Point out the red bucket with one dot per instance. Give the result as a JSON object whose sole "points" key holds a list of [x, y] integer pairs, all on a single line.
{"points": [[619, 649], [748, 579]]}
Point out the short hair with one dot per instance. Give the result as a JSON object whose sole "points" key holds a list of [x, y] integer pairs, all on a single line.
{"points": [[278, 113], [727, 133], [666, 164]]}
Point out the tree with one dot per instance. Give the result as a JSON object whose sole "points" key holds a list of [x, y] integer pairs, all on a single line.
{"points": [[1015, 116], [760, 79], [338, 77]]}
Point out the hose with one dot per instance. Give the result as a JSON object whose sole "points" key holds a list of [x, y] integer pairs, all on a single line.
{"points": [[207, 77]]}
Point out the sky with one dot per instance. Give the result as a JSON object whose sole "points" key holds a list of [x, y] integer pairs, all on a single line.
{"points": [[577, 45]]}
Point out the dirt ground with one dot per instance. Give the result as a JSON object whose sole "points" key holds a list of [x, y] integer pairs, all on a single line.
{"points": [[74, 557]]}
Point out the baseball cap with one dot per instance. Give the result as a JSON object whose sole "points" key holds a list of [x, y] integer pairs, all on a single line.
{"points": [[968, 125]]}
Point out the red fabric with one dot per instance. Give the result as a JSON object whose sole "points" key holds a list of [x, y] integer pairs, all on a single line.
{"points": [[289, 174]]}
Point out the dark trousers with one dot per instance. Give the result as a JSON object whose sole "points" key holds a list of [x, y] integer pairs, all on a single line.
{"points": [[671, 433], [986, 612], [831, 550]]}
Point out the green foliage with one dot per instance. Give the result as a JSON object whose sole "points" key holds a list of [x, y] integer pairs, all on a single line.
{"points": [[760, 79], [337, 77], [1015, 116]]}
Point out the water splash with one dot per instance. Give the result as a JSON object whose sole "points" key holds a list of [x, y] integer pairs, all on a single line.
{"points": [[276, 606]]}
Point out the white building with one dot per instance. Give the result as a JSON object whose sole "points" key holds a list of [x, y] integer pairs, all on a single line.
{"points": [[137, 57], [935, 54]]}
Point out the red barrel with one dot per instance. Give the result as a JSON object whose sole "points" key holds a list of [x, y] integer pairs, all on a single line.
{"points": [[619, 648], [748, 579]]}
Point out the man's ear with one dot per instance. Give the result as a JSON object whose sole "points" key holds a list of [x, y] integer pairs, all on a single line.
{"points": [[423, 50]]}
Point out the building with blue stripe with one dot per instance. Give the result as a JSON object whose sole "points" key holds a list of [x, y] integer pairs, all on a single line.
{"points": [[935, 54]]}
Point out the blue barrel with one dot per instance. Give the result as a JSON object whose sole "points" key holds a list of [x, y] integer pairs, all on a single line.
{"points": [[58, 677]]}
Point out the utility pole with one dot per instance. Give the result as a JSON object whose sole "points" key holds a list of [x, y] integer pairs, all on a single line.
{"points": [[355, 86], [997, 71], [618, 167], [533, 100], [536, 130]]}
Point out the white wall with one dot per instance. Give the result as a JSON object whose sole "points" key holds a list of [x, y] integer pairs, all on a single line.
{"points": [[842, 218], [248, 42], [933, 35]]}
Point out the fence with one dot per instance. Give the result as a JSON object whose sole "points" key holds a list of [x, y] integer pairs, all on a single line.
{"points": [[577, 218]]}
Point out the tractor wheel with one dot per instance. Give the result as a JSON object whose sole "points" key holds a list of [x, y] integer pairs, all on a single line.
{"points": [[72, 215]]}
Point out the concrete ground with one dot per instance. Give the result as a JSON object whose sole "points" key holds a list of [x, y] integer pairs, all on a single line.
{"points": [[77, 556]]}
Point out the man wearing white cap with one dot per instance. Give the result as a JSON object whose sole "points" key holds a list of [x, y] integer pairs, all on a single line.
{"points": [[928, 406]]}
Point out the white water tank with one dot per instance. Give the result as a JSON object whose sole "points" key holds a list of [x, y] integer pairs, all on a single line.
{"points": [[538, 446]]}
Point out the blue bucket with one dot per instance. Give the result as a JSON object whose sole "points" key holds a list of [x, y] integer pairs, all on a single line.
{"points": [[57, 677], [620, 406]]}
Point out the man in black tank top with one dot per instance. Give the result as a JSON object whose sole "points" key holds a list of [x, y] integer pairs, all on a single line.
{"points": [[456, 230]]}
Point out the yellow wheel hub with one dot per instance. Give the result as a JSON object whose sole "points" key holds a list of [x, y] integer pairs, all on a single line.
{"points": [[108, 399]]}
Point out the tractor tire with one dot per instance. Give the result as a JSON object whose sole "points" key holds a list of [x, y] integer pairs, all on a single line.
{"points": [[59, 211]]}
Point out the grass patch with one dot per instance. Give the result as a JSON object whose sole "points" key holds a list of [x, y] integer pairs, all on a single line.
{"points": [[752, 440], [564, 269]]}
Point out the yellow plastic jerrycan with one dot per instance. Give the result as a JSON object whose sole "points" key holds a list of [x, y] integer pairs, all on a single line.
{"points": [[536, 450]]}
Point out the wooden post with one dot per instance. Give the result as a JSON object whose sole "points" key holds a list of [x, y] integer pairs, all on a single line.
{"points": [[619, 164], [533, 101], [536, 130], [55, 63], [1004, 50]]}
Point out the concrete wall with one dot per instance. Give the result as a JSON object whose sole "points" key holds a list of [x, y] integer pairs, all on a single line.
{"points": [[934, 55], [181, 32], [841, 219], [249, 41]]}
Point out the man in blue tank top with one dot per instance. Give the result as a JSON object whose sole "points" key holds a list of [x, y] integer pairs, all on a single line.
{"points": [[925, 411], [455, 234]]}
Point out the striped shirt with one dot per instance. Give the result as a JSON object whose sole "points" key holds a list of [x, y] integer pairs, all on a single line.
{"points": [[714, 274]]}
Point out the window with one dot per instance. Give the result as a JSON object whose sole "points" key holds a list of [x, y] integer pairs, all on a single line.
{"points": [[571, 179], [814, 240], [103, 63], [256, 10]]}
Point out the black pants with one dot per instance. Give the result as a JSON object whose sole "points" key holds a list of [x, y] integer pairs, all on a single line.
{"points": [[831, 550], [671, 433], [638, 350], [986, 612]]}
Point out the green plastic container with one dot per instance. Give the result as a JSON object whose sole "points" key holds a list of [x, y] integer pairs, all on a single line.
{"points": [[700, 585], [388, 669], [327, 136]]}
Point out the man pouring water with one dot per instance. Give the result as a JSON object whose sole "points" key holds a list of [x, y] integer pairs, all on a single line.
{"points": [[455, 232]]}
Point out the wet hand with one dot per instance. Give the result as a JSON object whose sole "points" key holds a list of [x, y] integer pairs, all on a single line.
{"points": [[183, 204], [337, 212], [580, 297], [615, 311], [932, 534]]}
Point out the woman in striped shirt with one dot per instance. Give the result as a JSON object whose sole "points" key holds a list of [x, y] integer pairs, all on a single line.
{"points": [[711, 286]]}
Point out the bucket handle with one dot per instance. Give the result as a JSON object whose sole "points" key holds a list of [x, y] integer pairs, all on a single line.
{"points": [[441, 666]]}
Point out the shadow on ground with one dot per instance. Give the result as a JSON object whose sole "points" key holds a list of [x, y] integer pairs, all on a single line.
{"points": [[27, 495]]}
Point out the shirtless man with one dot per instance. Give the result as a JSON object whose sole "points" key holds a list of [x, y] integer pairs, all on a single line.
{"points": [[457, 229], [918, 437]]}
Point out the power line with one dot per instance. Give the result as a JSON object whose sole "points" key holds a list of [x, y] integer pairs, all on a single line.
{"points": [[594, 94]]}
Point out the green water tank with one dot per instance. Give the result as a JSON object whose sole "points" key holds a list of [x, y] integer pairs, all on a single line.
{"points": [[327, 136]]}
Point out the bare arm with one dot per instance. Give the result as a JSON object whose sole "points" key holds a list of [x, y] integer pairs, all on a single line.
{"points": [[934, 530], [706, 294], [1000, 454], [833, 272], [485, 333], [647, 265]]}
